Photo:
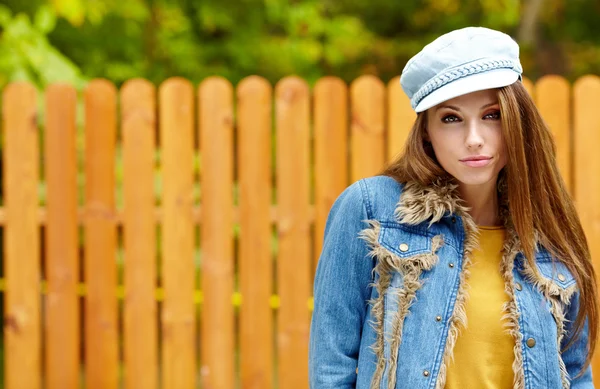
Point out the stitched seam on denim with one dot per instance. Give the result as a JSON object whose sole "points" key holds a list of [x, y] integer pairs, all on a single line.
{"points": [[461, 236], [365, 197], [421, 232], [525, 284], [523, 353], [367, 207], [407, 228], [454, 247], [546, 349], [552, 276], [408, 253], [428, 234], [439, 358], [454, 74]]}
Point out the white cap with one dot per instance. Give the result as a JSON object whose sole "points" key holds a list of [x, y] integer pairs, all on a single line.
{"points": [[460, 62]]}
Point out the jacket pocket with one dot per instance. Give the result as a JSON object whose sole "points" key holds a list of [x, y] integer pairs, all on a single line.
{"points": [[403, 243], [557, 273]]}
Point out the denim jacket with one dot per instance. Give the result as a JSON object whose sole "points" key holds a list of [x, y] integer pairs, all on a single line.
{"points": [[395, 260]]}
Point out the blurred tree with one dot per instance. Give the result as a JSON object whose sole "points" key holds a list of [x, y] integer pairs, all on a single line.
{"points": [[26, 54], [157, 39]]}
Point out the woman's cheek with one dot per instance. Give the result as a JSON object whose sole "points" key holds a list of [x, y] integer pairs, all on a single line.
{"points": [[444, 157]]}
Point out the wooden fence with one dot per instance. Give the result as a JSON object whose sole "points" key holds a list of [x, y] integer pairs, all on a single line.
{"points": [[176, 242]]}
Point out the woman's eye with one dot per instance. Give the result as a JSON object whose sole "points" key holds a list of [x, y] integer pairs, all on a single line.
{"points": [[493, 115], [450, 119]]}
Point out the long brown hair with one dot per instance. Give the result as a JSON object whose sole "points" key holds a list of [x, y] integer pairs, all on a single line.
{"points": [[532, 178]]}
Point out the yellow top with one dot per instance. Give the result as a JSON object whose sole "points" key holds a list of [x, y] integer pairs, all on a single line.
{"points": [[483, 354]]}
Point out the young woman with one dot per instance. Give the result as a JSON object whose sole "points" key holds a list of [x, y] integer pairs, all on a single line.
{"points": [[464, 265]]}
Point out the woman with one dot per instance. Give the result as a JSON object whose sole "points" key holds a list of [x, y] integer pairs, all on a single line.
{"points": [[471, 225]]}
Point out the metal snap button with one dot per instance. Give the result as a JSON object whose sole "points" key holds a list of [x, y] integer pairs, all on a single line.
{"points": [[518, 286], [403, 247], [438, 318], [530, 342], [426, 373], [561, 277], [453, 219], [451, 264]]}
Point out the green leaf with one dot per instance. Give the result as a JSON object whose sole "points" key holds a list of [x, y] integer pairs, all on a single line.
{"points": [[5, 15], [72, 10], [45, 19]]}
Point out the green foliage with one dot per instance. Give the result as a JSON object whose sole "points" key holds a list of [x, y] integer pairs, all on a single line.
{"points": [[27, 55], [74, 40]]}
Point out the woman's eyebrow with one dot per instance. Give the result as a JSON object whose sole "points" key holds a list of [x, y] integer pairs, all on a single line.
{"points": [[447, 106], [489, 104], [458, 109]]}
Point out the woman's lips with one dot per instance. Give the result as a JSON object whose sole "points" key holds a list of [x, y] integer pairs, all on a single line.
{"points": [[476, 162]]}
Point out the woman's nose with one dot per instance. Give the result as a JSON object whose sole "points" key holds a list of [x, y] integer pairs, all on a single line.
{"points": [[474, 138]]}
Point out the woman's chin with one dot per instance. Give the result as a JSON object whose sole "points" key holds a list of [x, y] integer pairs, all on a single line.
{"points": [[478, 179]]}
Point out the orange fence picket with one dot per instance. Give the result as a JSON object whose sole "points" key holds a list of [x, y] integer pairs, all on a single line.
{"points": [[400, 119], [586, 94], [292, 112], [178, 318], [254, 110], [140, 323], [552, 99], [368, 153], [232, 308], [331, 151], [62, 257], [215, 107], [586, 126], [529, 86], [101, 314], [22, 309]]}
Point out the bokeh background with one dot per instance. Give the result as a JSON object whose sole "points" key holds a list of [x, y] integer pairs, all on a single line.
{"points": [[75, 40]]}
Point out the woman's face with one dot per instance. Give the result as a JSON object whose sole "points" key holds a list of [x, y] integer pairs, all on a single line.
{"points": [[466, 135]]}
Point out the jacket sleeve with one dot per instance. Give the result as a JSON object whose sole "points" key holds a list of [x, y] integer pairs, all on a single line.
{"points": [[574, 357], [341, 291]]}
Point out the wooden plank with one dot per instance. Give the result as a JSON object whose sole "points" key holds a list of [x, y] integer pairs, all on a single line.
{"points": [[254, 109], [176, 105], [216, 230], [293, 227], [101, 315], [331, 152], [62, 259], [553, 100], [138, 126], [22, 302], [157, 214], [528, 84], [368, 155], [400, 118], [586, 127]]}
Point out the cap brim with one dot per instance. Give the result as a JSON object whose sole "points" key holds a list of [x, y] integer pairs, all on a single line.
{"points": [[488, 80]]}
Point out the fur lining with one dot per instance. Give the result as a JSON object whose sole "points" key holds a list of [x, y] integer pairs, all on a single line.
{"points": [[410, 268], [419, 203]]}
